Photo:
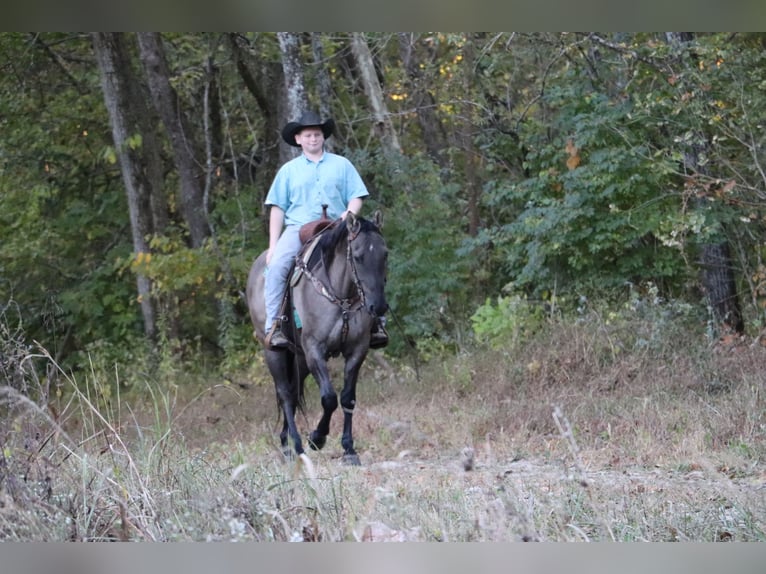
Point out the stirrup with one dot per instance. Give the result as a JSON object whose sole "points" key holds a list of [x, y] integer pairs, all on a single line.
{"points": [[378, 336], [276, 338]]}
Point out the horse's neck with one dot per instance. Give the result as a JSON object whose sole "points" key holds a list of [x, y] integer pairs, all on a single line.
{"points": [[339, 271]]}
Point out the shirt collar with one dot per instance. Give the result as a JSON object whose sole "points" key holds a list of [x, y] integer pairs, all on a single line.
{"points": [[308, 160]]}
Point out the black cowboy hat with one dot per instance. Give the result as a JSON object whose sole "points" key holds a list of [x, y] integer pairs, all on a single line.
{"points": [[308, 119]]}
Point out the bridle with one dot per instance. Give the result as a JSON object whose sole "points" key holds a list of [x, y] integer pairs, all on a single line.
{"points": [[347, 305]]}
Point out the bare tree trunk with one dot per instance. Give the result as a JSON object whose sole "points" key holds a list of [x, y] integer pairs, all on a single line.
{"points": [[383, 126], [295, 84], [717, 269], [473, 189], [177, 127], [431, 128], [125, 110], [720, 285], [260, 83], [324, 83]]}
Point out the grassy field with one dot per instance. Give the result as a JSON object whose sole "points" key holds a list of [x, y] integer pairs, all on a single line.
{"points": [[624, 428]]}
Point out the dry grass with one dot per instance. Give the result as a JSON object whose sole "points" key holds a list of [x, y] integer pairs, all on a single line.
{"points": [[595, 430]]}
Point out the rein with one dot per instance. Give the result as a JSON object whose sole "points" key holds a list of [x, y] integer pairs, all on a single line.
{"points": [[347, 304]]}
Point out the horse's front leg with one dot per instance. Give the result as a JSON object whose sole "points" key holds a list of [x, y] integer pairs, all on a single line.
{"points": [[318, 366], [347, 403]]}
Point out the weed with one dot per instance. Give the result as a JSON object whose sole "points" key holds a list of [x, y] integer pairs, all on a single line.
{"points": [[569, 440]]}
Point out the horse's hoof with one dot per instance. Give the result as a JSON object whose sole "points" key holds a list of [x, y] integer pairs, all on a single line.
{"points": [[316, 441], [289, 454], [352, 460]]}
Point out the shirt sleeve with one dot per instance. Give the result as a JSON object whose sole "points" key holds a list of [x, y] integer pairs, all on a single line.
{"points": [[278, 194], [354, 185]]}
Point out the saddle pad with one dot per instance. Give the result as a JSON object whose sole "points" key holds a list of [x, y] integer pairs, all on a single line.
{"points": [[305, 255]]}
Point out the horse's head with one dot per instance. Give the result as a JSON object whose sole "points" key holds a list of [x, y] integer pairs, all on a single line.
{"points": [[369, 257]]}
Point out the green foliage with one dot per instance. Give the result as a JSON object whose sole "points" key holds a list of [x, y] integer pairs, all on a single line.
{"points": [[65, 241], [507, 322], [566, 150], [427, 281], [604, 199], [596, 204], [62, 215]]}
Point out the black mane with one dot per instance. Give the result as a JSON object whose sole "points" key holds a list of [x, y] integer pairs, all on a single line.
{"points": [[333, 236]]}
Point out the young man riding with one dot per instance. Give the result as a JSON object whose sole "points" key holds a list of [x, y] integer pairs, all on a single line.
{"points": [[301, 187]]}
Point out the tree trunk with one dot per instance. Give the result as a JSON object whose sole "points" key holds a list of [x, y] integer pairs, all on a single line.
{"points": [[720, 285], [432, 131], [383, 126], [717, 270], [295, 84], [125, 110], [181, 138], [473, 188], [324, 83], [259, 83]]}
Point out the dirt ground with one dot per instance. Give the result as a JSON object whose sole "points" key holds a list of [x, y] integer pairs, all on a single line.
{"points": [[247, 414]]}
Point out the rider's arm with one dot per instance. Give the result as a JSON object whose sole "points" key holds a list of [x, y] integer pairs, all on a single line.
{"points": [[276, 221], [355, 206]]}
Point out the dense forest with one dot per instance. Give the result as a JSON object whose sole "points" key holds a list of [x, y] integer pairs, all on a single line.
{"points": [[542, 170]]}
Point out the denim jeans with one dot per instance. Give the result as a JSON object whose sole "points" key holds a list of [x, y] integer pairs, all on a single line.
{"points": [[279, 267]]}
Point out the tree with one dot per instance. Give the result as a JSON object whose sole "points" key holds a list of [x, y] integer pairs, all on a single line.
{"points": [[182, 138], [543, 163], [381, 118], [261, 77], [64, 221], [412, 53], [467, 136], [294, 84], [716, 265], [137, 152], [323, 81]]}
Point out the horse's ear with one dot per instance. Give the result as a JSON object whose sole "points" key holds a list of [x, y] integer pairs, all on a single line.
{"points": [[351, 221], [377, 219]]}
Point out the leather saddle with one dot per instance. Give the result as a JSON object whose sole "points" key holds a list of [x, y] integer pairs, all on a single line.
{"points": [[309, 236], [314, 228]]}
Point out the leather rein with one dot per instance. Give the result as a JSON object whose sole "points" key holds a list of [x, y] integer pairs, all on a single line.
{"points": [[347, 304]]}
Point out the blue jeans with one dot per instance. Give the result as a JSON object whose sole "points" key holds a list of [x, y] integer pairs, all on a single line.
{"points": [[282, 260]]}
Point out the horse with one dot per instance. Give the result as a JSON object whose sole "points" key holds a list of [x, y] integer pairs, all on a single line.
{"points": [[331, 303]]}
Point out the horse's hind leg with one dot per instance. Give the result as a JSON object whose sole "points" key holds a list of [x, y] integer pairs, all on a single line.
{"points": [[288, 387], [290, 430], [286, 451]]}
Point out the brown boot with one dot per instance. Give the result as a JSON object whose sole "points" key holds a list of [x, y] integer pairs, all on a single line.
{"points": [[378, 336], [276, 338]]}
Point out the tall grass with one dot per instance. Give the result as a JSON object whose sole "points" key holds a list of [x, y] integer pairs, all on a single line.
{"points": [[627, 426]]}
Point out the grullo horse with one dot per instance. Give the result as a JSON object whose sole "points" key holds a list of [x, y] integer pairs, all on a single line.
{"points": [[332, 301]]}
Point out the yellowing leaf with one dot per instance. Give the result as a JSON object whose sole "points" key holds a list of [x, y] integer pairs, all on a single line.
{"points": [[574, 154]]}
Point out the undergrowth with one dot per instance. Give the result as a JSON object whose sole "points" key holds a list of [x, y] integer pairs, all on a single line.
{"points": [[625, 423]]}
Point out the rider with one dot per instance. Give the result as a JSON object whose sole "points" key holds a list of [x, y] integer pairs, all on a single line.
{"points": [[300, 189]]}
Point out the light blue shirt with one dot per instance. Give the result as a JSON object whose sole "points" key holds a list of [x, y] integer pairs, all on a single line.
{"points": [[302, 186]]}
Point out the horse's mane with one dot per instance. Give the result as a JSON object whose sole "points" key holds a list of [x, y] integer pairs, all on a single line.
{"points": [[334, 235]]}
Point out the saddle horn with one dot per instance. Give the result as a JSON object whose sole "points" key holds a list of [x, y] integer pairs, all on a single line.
{"points": [[314, 228]]}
